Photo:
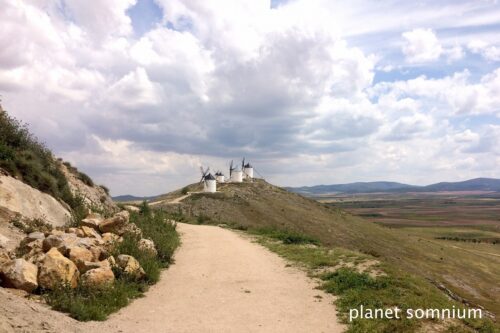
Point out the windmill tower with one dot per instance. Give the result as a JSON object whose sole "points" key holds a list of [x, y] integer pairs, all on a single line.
{"points": [[247, 169], [235, 174], [209, 182], [219, 176]]}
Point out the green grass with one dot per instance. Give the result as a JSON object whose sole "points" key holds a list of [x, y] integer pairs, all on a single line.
{"points": [[84, 303], [286, 236], [336, 270]]}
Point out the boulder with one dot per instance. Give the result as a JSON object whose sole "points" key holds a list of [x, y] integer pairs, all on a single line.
{"points": [[109, 238], [98, 252], [19, 274], [88, 265], [56, 270], [53, 241], [115, 224], [147, 245], [90, 232], [98, 277], [78, 232], [79, 255], [130, 266], [34, 236], [92, 221]]}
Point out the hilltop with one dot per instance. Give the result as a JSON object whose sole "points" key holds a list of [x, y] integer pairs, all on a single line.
{"points": [[477, 184], [262, 205]]}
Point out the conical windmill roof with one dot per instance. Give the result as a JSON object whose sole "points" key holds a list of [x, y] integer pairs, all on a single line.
{"points": [[209, 177]]}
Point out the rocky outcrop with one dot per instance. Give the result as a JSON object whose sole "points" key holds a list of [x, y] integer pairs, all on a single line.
{"points": [[20, 274], [57, 270], [94, 196], [30, 203]]}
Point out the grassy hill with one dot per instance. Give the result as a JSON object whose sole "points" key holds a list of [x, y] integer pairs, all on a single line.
{"points": [[467, 273]]}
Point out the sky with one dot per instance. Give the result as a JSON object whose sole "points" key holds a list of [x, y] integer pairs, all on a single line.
{"points": [[139, 93]]}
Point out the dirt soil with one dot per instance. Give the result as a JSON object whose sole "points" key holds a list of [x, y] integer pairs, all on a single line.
{"points": [[220, 282]]}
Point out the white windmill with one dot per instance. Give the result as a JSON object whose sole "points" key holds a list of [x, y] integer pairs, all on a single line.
{"points": [[247, 169], [209, 182], [219, 176], [235, 174]]}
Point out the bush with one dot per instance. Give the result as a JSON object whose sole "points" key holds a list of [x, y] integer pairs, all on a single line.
{"points": [[85, 179]]}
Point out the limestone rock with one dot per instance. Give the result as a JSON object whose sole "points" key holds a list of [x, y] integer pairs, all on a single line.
{"points": [[130, 266], [90, 232], [30, 203], [3, 241], [79, 255], [19, 274], [98, 277], [92, 221], [56, 270], [33, 251], [114, 224], [110, 238], [34, 236], [147, 245]]}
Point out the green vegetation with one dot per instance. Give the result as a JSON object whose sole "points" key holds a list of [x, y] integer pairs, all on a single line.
{"points": [[185, 190], [358, 279], [84, 303], [31, 225], [287, 237], [24, 157]]}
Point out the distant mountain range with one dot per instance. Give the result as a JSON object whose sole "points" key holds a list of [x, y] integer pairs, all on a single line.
{"points": [[127, 197], [477, 184]]}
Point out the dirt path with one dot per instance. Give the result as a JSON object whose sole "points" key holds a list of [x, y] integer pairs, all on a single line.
{"points": [[222, 282], [170, 202]]}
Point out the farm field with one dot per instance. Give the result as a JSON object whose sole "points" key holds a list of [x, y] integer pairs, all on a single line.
{"points": [[458, 233]]}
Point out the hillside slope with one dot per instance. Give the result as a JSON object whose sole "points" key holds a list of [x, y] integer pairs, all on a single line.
{"points": [[259, 204]]}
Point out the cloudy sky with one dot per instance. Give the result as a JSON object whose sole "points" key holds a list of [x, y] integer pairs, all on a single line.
{"points": [[140, 93]]}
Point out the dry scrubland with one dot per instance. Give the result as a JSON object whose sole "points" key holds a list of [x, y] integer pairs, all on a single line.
{"points": [[468, 276]]}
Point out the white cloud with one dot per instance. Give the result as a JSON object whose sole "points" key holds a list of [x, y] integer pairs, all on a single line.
{"points": [[291, 85], [489, 52], [421, 45]]}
